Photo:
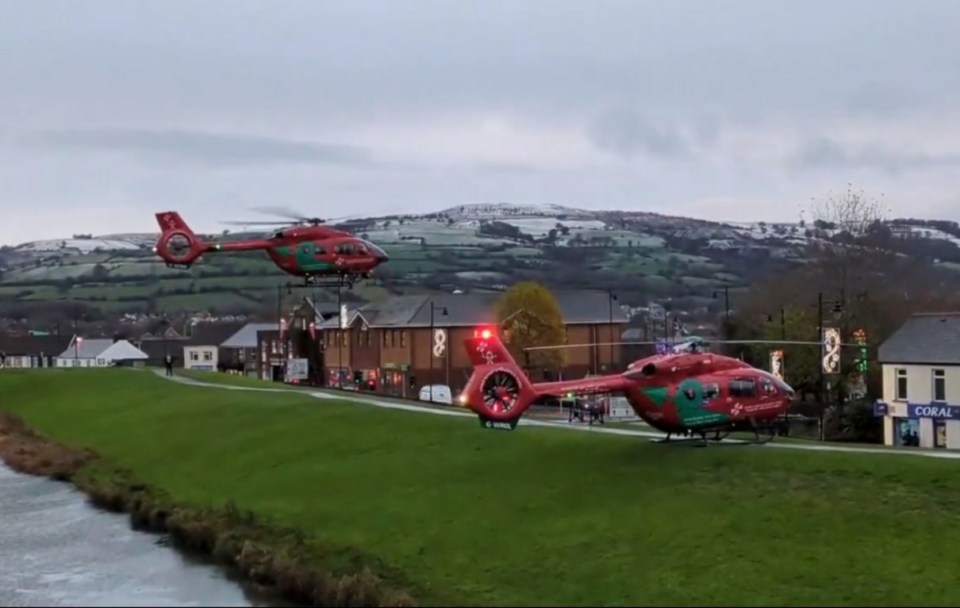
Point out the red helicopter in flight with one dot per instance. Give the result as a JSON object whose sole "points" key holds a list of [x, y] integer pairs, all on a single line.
{"points": [[679, 392], [305, 249]]}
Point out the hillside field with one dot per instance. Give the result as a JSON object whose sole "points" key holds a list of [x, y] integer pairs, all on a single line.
{"points": [[534, 517]]}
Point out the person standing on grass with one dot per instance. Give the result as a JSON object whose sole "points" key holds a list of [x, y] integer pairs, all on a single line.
{"points": [[168, 363]]}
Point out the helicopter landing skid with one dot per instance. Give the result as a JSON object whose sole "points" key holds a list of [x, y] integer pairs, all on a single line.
{"points": [[339, 281], [762, 434]]}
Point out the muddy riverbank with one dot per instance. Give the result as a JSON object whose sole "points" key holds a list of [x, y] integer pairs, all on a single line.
{"points": [[283, 562], [56, 549]]}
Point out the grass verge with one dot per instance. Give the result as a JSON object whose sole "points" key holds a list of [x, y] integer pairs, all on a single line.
{"points": [[280, 559], [535, 517]]}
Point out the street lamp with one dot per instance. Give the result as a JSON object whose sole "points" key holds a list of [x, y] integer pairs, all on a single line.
{"points": [[726, 308], [611, 296], [838, 310], [783, 323], [443, 311], [76, 332], [280, 337]]}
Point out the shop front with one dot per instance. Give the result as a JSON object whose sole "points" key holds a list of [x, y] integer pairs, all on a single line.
{"points": [[925, 425]]}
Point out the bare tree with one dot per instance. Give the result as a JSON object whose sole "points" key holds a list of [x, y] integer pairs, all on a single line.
{"points": [[852, 212]]}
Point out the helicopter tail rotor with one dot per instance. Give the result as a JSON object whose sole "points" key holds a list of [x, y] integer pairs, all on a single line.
{"points": [[498, 390], [178, 245]]}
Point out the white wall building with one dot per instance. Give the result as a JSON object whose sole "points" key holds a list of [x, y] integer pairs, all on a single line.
{"points": [[98, 353], [201, 357], [921, 383]]}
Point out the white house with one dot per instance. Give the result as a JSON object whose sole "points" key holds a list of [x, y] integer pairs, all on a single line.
{"points": [[921, 382], [201, 357], [98, 353]]}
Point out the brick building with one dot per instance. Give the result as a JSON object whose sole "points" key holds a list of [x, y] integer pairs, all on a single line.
{"points": [[391, 345]]}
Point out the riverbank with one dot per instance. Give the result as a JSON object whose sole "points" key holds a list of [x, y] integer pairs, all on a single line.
{"points": [[58, 549], [281, 560], [438, 508]]}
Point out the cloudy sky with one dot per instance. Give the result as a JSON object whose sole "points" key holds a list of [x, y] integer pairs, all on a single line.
{"points": [[742, 109]]}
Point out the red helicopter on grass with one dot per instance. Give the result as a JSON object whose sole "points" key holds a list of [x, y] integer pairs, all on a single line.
{"points": [[305, 249], [678, 392]]}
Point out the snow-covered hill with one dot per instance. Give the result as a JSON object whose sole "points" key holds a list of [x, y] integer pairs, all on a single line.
{"points": [[77, 245], [461, 226]]}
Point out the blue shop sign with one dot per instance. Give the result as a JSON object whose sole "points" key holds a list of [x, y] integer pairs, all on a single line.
{"points": [[880, 409], [933, 410]]}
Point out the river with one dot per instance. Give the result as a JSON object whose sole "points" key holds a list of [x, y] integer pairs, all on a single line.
{"points": [[58, 550]]}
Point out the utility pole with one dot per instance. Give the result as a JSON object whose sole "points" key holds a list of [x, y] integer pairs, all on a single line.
{"points": [[823, 403], [726, 310], [340, 330], [76, 331], [610, 298], [443, 311]]}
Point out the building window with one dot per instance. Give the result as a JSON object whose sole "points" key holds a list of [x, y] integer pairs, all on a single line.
{"points": [[939, 385], [193, 356], [906, 432], [900, 391], [383, 332], [207, 355], [403, 338]]}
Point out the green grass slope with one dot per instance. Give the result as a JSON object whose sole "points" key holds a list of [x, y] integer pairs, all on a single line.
{"points": [[534, 517]]}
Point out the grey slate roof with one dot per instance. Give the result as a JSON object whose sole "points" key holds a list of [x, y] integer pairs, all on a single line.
{"points": [[33, 345], [89, 348], [213, 334], [469, 309], [246, 337], [925, 339]]}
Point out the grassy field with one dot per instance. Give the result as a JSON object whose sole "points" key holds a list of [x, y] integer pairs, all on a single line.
{"points": [[535, 517]]}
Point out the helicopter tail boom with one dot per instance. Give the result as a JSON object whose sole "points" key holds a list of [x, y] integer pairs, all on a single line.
{"points": [[500, 392]]}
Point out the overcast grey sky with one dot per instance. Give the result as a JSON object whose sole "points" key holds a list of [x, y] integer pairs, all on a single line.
{"points": [[738, 110]]}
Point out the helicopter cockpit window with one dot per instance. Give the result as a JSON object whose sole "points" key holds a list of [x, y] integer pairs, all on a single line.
{"points": [[743, 387], [711, 391], [766, 387], [361, 250]]}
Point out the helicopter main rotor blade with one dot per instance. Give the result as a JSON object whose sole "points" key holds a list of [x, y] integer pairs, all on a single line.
{"points": [[281, 212], [680, 342], [242, 223]]}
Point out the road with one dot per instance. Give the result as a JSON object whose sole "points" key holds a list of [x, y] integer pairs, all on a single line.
{"points": [[444, 411]]}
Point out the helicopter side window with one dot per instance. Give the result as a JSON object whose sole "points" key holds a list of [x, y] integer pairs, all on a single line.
{"points": [[319, 251], [345, 249], [743, 387], [711, 391]]}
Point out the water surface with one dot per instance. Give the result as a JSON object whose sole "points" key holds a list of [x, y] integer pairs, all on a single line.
{"points": [[58, 550]]}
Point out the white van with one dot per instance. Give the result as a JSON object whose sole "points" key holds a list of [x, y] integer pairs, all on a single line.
{"points": [[441, 393]]}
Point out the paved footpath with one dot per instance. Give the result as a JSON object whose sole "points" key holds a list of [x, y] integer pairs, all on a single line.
{"points": [[443, 411]]}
